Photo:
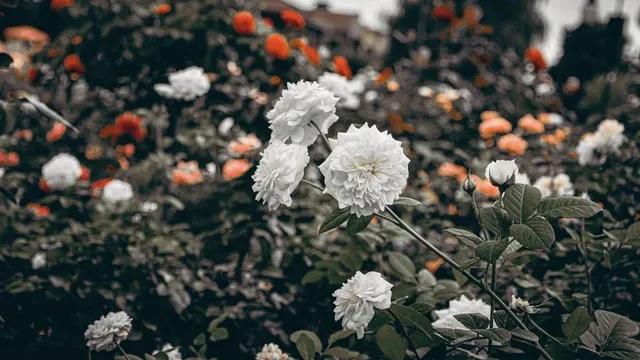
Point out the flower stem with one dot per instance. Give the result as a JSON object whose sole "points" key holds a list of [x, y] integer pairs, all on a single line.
{"points": [[584, 250], [468, 275], [122, 351], [404, 333], [315, 186], [323, 136], [493, 288], [535, 325], [476, 210]]}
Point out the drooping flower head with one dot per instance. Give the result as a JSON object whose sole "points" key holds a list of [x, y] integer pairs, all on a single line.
{"points": [[366, 170], [446, 319], [187, 84], [500, 172], [299, 107], [61, 172], [279, 172], [108, 331], [357, 297], [272, 352], [117, 191]]}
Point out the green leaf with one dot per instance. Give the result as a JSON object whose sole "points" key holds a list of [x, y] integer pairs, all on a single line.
{"points": [[333, 220], [402, 266], [406, 201], [524, 335], [312, 277], [296, 336], [633, 233], [341, 353], [351, 260], [200, 339], [149, 357], [491, 250], [611, 335], [305, 346], [577, 323], [535, 233], [218, 334], [465, 236], [357, 224], [495, 220], [568, 207], [128, 357], [520, 201], [339, 335], [393, 346], [412, 318], [496, 334], [473, 321]]}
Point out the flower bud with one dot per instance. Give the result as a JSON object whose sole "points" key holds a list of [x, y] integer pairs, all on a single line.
{"points": [[469, 186]]}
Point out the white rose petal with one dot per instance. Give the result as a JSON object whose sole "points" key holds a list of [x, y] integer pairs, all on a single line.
{"points": [[117, 191], [187, 84], [341, 87], [446, 319], [499, 172], [61, 172]]}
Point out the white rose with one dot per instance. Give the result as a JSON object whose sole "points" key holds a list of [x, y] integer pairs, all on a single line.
{"points": [[61, 172], [279, 172], [272, 352], [342, 88], [500, 172], [357, 297], [108, 331], [38, 261], [302, 105], [559, 185], [610, 135], [446, 319], [117, 191], [366, 170], [187, 84]]}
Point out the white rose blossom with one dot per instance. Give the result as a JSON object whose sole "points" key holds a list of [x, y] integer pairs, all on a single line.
{"points": [[279, 172], [357, 298], [344, 89], [593, 148], [108, 331], [272, 352], [366, 170], [187, 84], [61, 172], [300, 106], [117, 191], [446, 319], [38, 261], [559, 185], [500, 172], [521, 305]]}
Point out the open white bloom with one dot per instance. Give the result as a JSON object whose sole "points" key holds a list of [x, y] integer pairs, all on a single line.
{"points": [[341, 87], [357, 297], [279, 172], [272, 352], [594, 148], [446, 319], [500, 172], [171, 355], [108, 331], [559, 185], [117, 191], [61, 172], [610, 135], [299, 107], [586, 150], [366, 170], [521, 305], [38, 261], [187, 84]]}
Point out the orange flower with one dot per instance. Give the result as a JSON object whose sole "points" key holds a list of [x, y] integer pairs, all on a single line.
{"points": [[244, 23], [40, 211], [36, 38], [397, 125], [275, 80], [556, 138], [534, 56], [493, 126], [341, 66], [9, 158], [311, 54], [24, 134], [488, 115], [97, 186], [277, 46], [61, 4], [162, 9], [433, 265], [126, 123], [72, 63], [297, 43], [126, 151], [187, 173], [384, 75], [57, 131], [244, 144], [513, 144], [450, 169], [485, 187], [85, 174], [443, 13], [530, 125], [292, 18], [235, 168]]}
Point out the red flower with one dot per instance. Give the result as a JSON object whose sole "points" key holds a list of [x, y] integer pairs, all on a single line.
{"points": [[61, 4], [277, 46], [443, 13], [72, 63], [42, 184], [9, 158], [244, 23], [311, 54], [96, 187], [56, 133], [342, 67], [292, 18], [162, 9], [85, 175], [38, 210], [534, 56], [127, 123]]}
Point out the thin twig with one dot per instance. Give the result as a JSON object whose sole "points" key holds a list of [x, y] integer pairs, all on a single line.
{"points": [[122, 350], [315, 186], [323, 136], [535, 325], [476, 210], [404, 333], [493, 288], [584, 250]]}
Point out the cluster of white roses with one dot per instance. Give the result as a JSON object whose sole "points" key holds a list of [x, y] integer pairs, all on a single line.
{"points": [[594, 147], [187, 84], [366, 170]]}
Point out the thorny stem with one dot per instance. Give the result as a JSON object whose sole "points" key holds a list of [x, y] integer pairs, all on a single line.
{"points": [[543, 330], [404, 333], [323, 136], [122, 351], [468, 275]]}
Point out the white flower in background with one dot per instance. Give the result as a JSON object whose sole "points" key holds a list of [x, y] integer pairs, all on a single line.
{"points": [[187, 84], [357, 297], [2, 171], [225, 125], [211, 169], [301, 104], [38, 261], [446, 319], [610, 135], [149, 206], [341, 87], [594, 148], [559, 185], [117, 191], [370, 96], [108, 331], [366, 170], [521, 305], [555, 119], [586, 150], [272, 352], [171, 355], [499, 172], [522, 178], [425, 92], [279, 172], [61, 172]]}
